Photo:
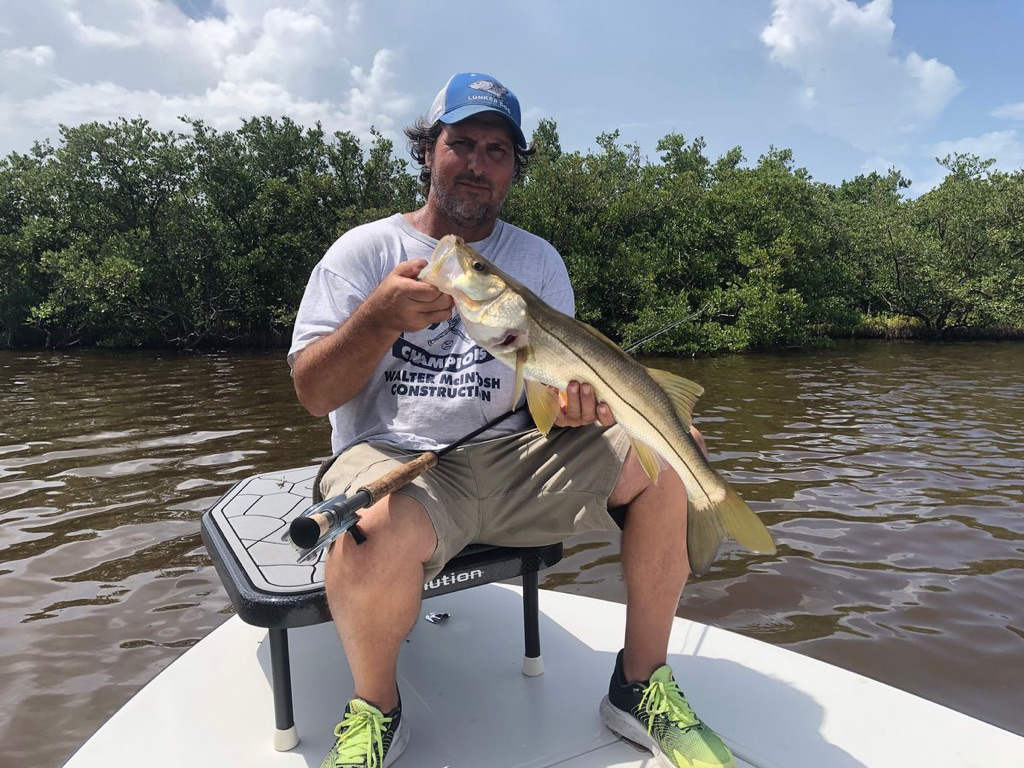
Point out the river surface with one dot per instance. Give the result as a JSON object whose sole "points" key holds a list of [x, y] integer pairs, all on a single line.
{"points": [[891, 475]]}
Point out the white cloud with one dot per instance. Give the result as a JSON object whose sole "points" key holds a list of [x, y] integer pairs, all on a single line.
{"points": [[99, 37], [36, 56], [355, 16], [852, 84], [71, 61], [1010, 111], [877, 164], [1006, 147], [26, 70]]}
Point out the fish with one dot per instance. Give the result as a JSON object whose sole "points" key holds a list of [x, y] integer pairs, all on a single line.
{"points": [[547, 349]]}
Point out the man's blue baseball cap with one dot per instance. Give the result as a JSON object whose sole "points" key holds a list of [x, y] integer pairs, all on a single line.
{"points": [[469, 93]]}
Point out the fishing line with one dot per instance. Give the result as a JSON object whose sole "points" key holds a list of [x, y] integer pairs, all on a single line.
{"points": [[667, 328]]}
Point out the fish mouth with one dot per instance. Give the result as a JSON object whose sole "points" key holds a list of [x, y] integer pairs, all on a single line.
{"points": [[464, 300]]}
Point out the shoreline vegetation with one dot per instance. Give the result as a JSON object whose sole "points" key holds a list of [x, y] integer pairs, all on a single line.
{"points": [[122, 236], [893, 328]]}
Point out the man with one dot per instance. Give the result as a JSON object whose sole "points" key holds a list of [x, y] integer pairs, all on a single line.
{"points": [[385, 357]]}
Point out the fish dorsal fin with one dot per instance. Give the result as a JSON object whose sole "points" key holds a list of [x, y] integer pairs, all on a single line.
{"points": [[648, 459], [682, 392], [543, 403]]}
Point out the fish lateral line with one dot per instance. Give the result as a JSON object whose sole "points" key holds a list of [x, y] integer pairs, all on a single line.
{"points": [[637, 411]]}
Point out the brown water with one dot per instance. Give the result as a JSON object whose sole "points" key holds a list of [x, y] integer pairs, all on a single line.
{"points": [[892, 476]]}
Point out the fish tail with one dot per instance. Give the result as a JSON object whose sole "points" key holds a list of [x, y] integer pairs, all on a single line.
{"points": [[708, 527], [704, 535]]}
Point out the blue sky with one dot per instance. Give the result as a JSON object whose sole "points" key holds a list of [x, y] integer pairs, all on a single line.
{"points": [[849, 86]]}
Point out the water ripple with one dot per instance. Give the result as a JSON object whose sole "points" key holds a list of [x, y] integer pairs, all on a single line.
{"points": [[891, 475]]}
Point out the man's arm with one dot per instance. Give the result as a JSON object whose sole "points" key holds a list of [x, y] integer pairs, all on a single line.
{"points": [[331, 370]]}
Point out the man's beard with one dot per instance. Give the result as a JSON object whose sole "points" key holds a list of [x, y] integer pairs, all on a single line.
{"points": [[461, 210]]}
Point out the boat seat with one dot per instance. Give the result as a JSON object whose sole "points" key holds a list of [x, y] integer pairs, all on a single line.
{"points": [[244, 534]]}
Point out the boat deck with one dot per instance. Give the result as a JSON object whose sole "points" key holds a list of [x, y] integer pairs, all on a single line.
{"points": [[469, 706]]}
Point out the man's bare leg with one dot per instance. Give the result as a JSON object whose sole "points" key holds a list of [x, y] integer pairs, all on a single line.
{"points": [[374, 591], [654, 557], [654, 563]]}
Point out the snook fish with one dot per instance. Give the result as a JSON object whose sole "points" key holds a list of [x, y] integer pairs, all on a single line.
{"points": [[654, 407]]}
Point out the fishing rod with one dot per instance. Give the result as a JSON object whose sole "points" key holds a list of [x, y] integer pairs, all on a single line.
{"points": [[322, 523]]}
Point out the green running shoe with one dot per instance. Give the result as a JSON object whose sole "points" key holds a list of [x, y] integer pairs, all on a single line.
{"points": [[656, 715], [367, 738]]}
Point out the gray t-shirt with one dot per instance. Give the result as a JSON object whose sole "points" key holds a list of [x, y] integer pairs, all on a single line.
{"points": [[436, 385]]}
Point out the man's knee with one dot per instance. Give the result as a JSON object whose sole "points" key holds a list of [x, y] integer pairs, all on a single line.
{"points": [[633, 481], [398, 533]]}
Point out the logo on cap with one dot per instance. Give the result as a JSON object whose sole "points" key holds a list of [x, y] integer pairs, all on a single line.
{"points": [[469, 93], [491, 87]]}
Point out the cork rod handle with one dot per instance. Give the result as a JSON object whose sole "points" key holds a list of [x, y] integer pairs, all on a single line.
{"points": [[400, 477]]}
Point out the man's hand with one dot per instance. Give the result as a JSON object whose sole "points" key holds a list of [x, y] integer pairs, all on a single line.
{"points": [[403, 303], [331, 371], [580, 407]]}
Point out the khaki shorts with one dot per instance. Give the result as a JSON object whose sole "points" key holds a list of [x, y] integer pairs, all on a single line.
{"points": [[520, 490]]}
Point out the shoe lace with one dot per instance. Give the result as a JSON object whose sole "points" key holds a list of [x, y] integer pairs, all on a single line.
{"points": [[360, 739], [665, 698]]}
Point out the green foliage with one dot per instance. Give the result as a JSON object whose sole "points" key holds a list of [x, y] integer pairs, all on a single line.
{"points": [[764, 255], [127, 236], [953, 260], [124, 235], [647, 244]]}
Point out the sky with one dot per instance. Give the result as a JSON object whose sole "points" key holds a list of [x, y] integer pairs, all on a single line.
{"points": [[849, 86]]}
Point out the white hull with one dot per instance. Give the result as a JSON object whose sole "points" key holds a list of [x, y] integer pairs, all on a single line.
{"points": [[469, 705]]}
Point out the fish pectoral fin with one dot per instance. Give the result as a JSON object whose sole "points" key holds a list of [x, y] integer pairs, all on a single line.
{"points": [[682, 392], [543, 404], [743, 524], [648, 459], [518, 392]]}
